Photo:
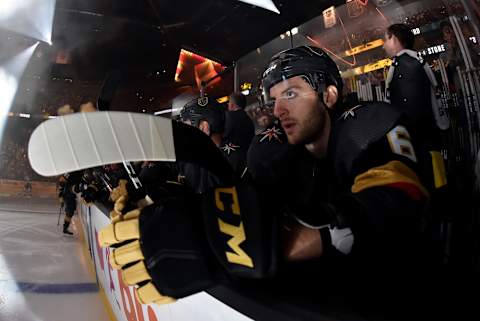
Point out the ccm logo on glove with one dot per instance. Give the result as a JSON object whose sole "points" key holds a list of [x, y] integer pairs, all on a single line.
{"points": [[236, 232]]}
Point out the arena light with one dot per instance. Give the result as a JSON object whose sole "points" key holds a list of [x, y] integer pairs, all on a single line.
{"points": [[380, 64], [10, 75], [265, 4], [32, 18], [8, 85], [193, 67], [365, 47], [246, 85], [223, 99], [9, 7]]}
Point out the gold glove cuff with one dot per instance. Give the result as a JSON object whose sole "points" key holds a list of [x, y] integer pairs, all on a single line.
{"points": [[120, 190], [106, 236], [120, 204], [127, 230], [116, 216], [118, 232], [149, 294], [126, 254], [132, 214], [135, 274]]}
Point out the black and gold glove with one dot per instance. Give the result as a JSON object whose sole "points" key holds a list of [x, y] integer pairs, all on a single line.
{"points": [[161, 250], [119, 195], [89, 194], [125, 198]]}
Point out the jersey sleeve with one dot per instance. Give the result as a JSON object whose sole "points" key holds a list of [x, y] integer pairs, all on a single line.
{"points": [[384, 207], [392, 162]]}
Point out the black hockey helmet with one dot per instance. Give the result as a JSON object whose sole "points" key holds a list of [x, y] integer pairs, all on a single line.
{"points": [[312, 63], [204, 108]]}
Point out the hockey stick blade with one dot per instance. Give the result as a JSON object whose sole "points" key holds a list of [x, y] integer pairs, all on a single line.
{"points": [[84, 140]]}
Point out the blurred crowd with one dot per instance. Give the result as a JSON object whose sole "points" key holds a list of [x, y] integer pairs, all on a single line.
{"points": [[364, 35], [433, 14], [14, 163]]}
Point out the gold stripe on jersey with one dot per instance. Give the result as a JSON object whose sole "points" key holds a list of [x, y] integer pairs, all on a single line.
{"points": [[438, 166], [390, 173]]}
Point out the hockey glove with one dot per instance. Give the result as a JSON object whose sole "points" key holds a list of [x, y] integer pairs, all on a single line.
{"points": [[89, 194], [125, 197], [161, 250]]}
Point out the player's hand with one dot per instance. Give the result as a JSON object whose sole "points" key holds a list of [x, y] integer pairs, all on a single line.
{"points": [[160, 250], [122, 195], [119, 195], [89, 194]]}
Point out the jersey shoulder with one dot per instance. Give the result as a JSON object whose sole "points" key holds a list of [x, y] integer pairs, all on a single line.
{"points": [[358, 131]]}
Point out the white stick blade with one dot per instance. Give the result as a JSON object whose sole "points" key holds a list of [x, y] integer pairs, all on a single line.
{"points": [[78, 141]]}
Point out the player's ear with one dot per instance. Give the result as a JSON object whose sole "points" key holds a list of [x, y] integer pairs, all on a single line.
{"points": [[330, 96], [204, 126]]}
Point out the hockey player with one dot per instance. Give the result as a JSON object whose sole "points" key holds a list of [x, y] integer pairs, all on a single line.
{"points": [[353, 195], [68, 187], [363, 171], [67, 183], [239, 131], [204, 114], [268, 146], [72, 184], [161, 180]]}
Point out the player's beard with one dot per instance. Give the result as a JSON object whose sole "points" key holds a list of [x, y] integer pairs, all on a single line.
{"points": [[311, 127]]}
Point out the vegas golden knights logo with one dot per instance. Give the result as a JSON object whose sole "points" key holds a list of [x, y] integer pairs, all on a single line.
{"points": [[202, 101], [237, 233]]}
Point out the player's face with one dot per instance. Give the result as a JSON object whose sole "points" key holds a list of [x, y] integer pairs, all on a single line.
{"points": [[389, 44], [448, 34], [230, 106], [264, 121], [299, 110]]}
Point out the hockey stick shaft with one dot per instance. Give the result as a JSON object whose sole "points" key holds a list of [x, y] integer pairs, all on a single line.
{"points": [[59, 214]]}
